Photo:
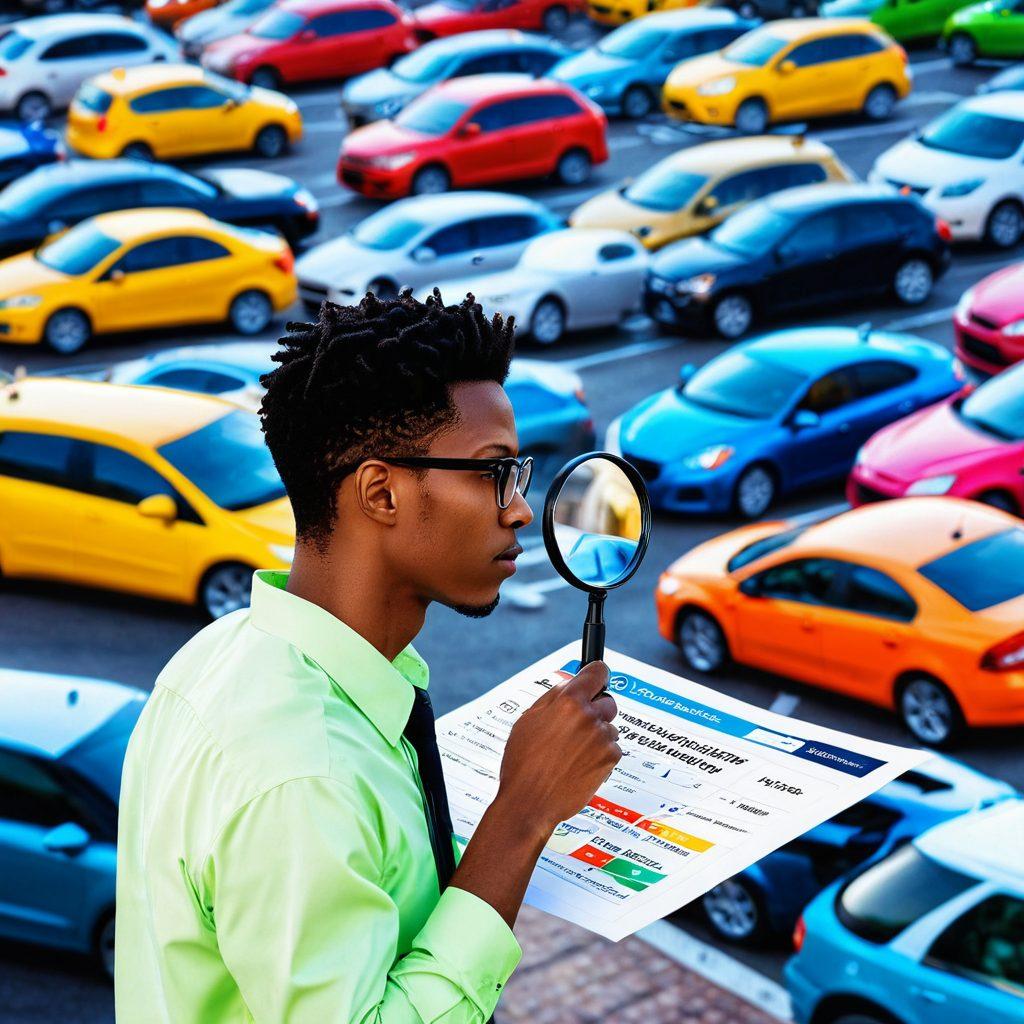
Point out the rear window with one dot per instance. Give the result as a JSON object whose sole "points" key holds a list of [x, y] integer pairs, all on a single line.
{"points": [[762, 547], [983, 573], [94, 98], [12, 46]]}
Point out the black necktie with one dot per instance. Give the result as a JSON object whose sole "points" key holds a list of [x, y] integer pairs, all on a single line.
{"points": [[420, 733]]}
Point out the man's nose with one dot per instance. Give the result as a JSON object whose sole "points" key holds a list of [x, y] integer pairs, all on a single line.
{"points": [[518, 514]]}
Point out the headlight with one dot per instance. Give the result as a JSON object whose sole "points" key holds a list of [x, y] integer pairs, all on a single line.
{"points": [[283, 552], [859, 458], [963, 307], [699, 285], [932, 484], [961, 188], [593, 91], [719, 87], [669, 585], [386, 108], [305, 199], [1015, 329], [21, 302], [612, 435], [712, 457], [393, 162]]}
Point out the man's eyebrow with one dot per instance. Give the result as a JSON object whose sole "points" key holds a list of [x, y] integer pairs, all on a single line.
{"points": [[496, 449]]}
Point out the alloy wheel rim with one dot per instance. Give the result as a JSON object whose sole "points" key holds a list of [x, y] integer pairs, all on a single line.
{"points": [[751, 119], [574, 169], [33, 108], [250, 313], [756, 491], [701, 643], [547, 323], [1006, 225], [927, 711], [962, 49], [273, 142], [732, 316], [430, 183], [67, 333], [732, 910], [913, 281], [227, 590], [879, 103], [637, 103]]}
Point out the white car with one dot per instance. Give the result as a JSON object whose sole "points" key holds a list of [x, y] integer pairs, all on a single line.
{"points": [[206, 27], [46, 59], [968, 167], [419, 241], [569, 280]]}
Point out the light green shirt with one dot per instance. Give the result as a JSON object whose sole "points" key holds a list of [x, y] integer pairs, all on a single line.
{"points": [[273, 861]]}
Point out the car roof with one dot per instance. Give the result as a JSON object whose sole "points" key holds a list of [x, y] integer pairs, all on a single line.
{"points": [[247, 355], [1003, 104], [484, 39], [125, 225], [986, 844], [440, 209], [805, 198], [61, 24], [126, 81], [691, 17], [472, 88], [314, 7], [811, 28], [80, 172], [51, 713], [148, 416], [725, 155]]}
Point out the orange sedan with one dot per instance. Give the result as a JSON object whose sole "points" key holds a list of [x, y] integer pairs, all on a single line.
{"points": [[167, 13], [916, 605]]}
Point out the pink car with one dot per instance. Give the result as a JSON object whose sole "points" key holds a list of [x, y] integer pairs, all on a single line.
{"points": [[970, 445], [989, 321]]}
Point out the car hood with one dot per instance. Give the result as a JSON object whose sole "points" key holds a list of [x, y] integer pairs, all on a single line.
{"points": [[244, 183], [225, 50], [274, 518], [612, 209], [849, 8], [1000, 296], [22, 272], [667, 428], [698, 70], [908, 162], [976, 12], [337, 263], [377, 86], [207, 25], [588, 65], [432, 14], [380, 138], [694, 256]]}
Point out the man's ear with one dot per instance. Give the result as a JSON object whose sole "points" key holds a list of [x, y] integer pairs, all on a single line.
{"points": [[374, 484]]}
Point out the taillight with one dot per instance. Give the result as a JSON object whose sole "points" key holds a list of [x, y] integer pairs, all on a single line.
{"points": [[1007, 656], [942, 229], [799, 934], [285, 261], [3, 71], [101, 124], [581, 396]]}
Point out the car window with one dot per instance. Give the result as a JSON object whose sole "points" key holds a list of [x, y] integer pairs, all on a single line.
{"points": [[161, 252], [791, 175], [506, 229], [487, 63], [680, 47], [830, 392], [874, 593], [30, 794], [201, 97], [196, 249], [555, 106], [818, 235], [983, 573], [808, 54], [505, 114], [743, 187], [808, 580], [534, 62], [41, 458], [121, 477], [880, 375], [77, 251], [453, 239], [711, 39], [867, 225], [985, 945], [208, 382], [369, 18], [67, 49], [86, 202], [765, 546], [167, 193], [846, 46], [615, 251], [337, 23], [161, 100], [119, 42]]}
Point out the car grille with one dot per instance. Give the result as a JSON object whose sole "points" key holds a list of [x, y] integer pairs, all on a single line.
{"points": [[351, 177], [917, 190], [984, 350], [983, 321], [647, 468], [351, 160], [601, 9], [867, 495], [677, 105]]}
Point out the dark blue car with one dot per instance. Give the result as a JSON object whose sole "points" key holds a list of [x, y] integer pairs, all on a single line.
{"points": [[24, 147], [786, 410]]}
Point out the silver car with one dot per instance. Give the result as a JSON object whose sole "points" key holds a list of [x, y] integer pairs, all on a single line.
{"points": [[206, 27], [46, 59], [421, 241]]}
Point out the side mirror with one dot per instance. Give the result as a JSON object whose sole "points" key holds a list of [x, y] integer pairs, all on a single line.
{"points": [[307, 35], [805, 419], [787, 67], [69, 839], [230, 104], [55, 226], [784, 254], [686, 372], [751, 586], [707, 206], [424, 254], [116, 275], [470, 130], [158, 506]]}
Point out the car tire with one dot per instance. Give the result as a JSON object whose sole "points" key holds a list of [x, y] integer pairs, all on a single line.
{"points": [[913, 281], [138, 151], [752, 116], [637, 102], [271, 142], [103, 944], [383, 288], [1000, 500], [748, 10], [755, 491], [33, 106], [266, 77], [555, 20], [963, 50], [224, 589], [732, 315], [701, 641], [929, 711], [547, 322], [430, 180], [880, 102], [735, 912], [67, 331], [250, 312], [859, 1018], [573, 167], [1004, 225]]}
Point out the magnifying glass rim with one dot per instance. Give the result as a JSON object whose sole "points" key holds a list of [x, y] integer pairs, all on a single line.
{"points": [[548, 524]]}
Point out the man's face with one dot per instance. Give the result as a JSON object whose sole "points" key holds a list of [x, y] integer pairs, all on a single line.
{"points": [[452, 541]]}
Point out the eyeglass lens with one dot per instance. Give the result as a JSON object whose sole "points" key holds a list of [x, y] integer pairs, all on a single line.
{"points": [[514, 480]]}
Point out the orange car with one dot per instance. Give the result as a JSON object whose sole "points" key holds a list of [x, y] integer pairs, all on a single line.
{"points": [[916, 605], [167, 13]]}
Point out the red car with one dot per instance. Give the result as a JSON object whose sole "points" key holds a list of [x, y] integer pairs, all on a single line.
{"points": [[476, 130], [989, 321], [302, 40], [448, 17]]}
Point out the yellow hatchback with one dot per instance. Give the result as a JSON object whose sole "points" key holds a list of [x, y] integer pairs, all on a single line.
{"points": [[145, 490], [691, 191], [790, 70], [166, 111], [618, 12], [138, 269]]}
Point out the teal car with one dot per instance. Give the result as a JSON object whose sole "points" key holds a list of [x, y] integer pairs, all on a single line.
{"points": [[905, 20], [991, 29]]}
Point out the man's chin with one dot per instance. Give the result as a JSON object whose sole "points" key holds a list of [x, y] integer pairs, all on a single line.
{"points": [[474, 611]]}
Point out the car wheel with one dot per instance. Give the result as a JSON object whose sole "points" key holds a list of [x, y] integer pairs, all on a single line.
{"points": [[573, 167], [733, 315], [963, 50], [265, 78], [547, 324], [752, 117], [430, 180], [702, 641], [270, 142], [735, 912], [755, 492], [637, 102], [383, 288], [138, 151], [913, 281], [1000, 500], [103, 945], [1005, 225], [929, 711], [748, 10], [879, 102], [857, 1018], [33, 106], [250, 312], [225, 589], [555, 20], [67, 331]]}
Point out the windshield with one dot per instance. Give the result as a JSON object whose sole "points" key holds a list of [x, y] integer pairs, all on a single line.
{"points": [[462, 5], [762, 547], [984, 573], [431, 116], [12, 45], [421, 66], [228, 461], [739, 385], [970, 133], [99, 756], [236, 90], [277, 25], [997, 407], [77, 251], [243, 7], [632, 41], [389, 229], [664, 189], [25, 197], [752, 230], [754, 48]]}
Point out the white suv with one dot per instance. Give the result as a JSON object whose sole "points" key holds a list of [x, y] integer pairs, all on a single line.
{"points": [[46, 59]]}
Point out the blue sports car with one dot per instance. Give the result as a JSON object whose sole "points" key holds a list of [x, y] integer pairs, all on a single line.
{"points": [[779, 412], [24, 147]]}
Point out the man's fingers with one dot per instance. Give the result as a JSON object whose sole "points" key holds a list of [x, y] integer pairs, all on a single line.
{"points": [[605, 706], [589, 681]]}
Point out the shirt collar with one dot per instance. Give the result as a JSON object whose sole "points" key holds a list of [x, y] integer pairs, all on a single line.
{"points": [[379, 688]]}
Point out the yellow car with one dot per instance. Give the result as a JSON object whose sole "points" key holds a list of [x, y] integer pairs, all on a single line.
{"points": [[166, 111], [146, 490], [618, 12], [138, 269], [789, 70], [693, 190]]}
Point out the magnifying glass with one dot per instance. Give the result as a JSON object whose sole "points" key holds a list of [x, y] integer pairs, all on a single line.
{"points": [[597, 524]]}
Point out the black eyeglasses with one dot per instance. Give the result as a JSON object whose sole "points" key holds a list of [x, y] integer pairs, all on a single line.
{"points": [[510, 475]]}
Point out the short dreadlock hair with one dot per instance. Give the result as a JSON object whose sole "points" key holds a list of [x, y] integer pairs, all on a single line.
{"points": [[369, 380]]}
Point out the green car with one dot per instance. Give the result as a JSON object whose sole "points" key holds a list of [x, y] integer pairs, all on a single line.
{"points": [[904, 20], [991, 29]]}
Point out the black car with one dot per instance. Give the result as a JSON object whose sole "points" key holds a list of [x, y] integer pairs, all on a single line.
{"points": [[53, 198], [771, 8], [24, 147], [812, 245]]}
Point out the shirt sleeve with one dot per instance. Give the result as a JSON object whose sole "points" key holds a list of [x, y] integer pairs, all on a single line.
{"points": [[309, 934]]}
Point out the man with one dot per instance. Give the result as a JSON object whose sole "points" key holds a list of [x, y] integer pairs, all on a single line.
{"points": [[284, 853]]}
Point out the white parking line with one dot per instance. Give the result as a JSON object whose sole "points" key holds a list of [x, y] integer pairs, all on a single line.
{"points": [[909, 323], [337, 127], [339, 198], [937, 64], [638, 348], [858, 131]]}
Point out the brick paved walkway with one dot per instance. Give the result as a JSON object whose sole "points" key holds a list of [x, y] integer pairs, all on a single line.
{"points": [[571, 976]]}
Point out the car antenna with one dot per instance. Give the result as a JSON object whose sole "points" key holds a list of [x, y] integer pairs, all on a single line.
{"points": [[864, 330], [958, 530]]}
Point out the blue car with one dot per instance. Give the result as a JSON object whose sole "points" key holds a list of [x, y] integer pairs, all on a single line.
{"points": [[62, 742], [24, 147], [782, 411], [933, 933], [764, 901], [624, 72]]}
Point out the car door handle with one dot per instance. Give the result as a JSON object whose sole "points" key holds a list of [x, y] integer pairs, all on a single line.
{"points": [[808, 625], [476, 258], [890, 641], [927, 994]]}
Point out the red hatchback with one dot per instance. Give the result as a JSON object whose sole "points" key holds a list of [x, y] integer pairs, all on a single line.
{"points": [[989, 321], [477, 130], [448, 17], [302, 40]]}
